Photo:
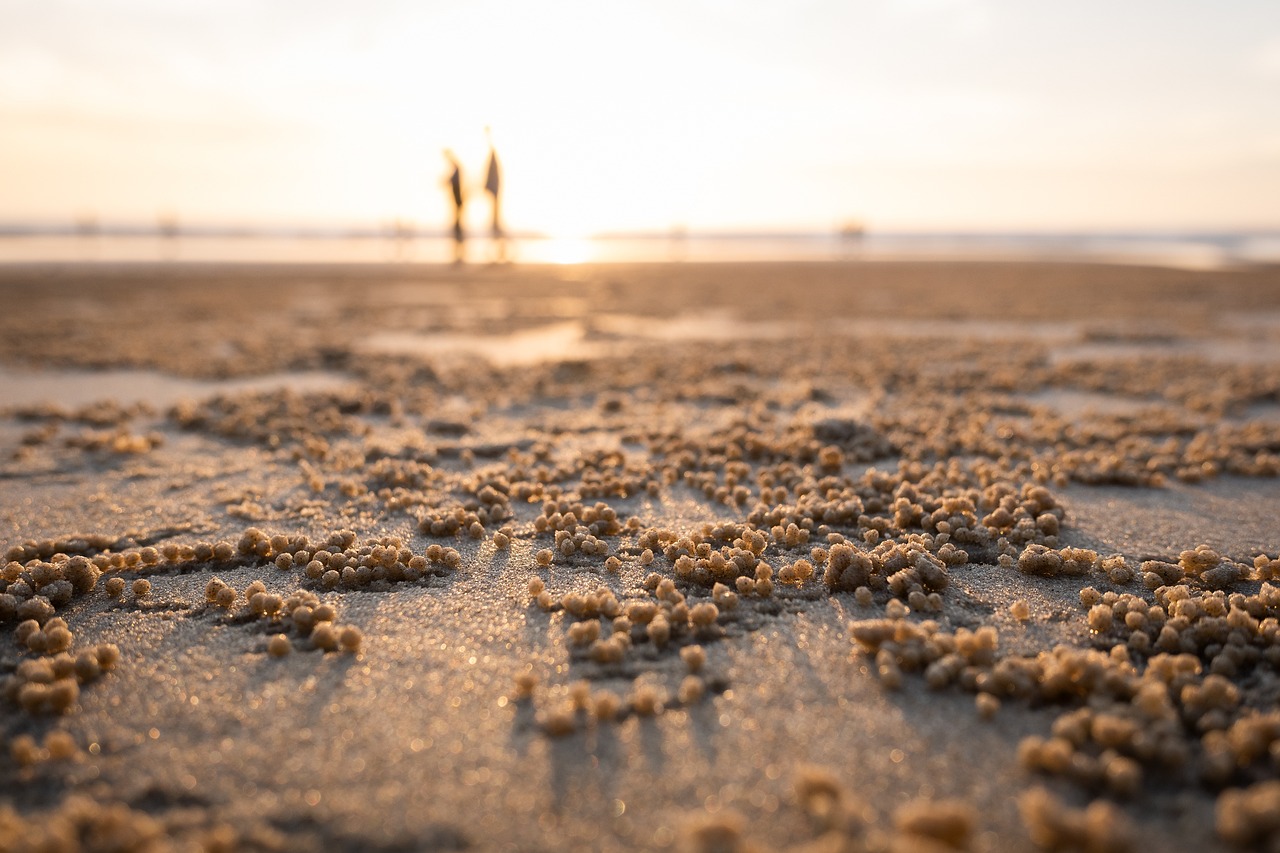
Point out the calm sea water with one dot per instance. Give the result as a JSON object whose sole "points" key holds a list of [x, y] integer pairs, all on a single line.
{"points": [[1191, 250]]}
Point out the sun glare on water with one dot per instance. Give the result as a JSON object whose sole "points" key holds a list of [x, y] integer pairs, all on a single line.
{"points": [[565, 250]]}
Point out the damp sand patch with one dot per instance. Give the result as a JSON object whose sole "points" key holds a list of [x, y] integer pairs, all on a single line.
{"points": [[553, 342], [74, 388], [604, 336]]}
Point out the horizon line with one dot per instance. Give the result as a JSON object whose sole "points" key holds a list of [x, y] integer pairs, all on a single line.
{"points": [[89, 227]]}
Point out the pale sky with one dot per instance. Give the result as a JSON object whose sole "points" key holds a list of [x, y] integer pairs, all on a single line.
{"points": [[611, 114]]}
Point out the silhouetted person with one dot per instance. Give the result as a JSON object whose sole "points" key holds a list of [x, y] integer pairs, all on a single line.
{"points": [[455, 185], [493, 186]]}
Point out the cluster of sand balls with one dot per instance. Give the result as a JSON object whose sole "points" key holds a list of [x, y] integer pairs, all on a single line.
{"points": [[300, 613], [58, 745], [612, 475], [608, 629], [1160, 694], [390, 473], [101, 413], [458, 520], [276, 418], [50, 684], [567, 710], [1054, 825], [972, 507], [1145, 448], [120, 441], [925, 824], [91, 825], [36, 588], [574, 518], [340, 562]]}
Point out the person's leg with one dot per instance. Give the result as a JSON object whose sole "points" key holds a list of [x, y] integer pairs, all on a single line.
{"points": [[499, 239]]}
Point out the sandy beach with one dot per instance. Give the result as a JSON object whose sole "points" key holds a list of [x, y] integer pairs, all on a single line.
{"points": [[772, 556]]}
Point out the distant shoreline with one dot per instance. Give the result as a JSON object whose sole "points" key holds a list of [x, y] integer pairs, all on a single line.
{"points": [[125, 243]]}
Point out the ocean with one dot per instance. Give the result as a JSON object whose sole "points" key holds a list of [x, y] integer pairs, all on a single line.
{"points": [[1202, 250]]}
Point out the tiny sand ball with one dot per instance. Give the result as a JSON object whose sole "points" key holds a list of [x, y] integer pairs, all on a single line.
{"points": [[212, 588], [115, 587], [226, 597], [24, 751], [525, 682], [64, 666], [59, 640], [324, 637], [694, 657], [713, 833], [543, 558], [25, 629], [558, 722], [817, 790], [692, 689], [38, 642], [607, 706], [324, 613], [108, 655], [647, 701], [501, 541], [1020, 610], [579, 695], [86, 666], [279, 646], [704, 615], [63, 694], [988, 705], [142, 587], [947, 821], [351, 638], [60, 745], [536, 586]]}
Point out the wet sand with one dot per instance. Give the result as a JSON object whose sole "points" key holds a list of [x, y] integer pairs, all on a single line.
{"points": [[780, 464]]}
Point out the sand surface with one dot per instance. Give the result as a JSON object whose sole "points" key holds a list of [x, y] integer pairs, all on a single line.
{"points": [[153, 406]]}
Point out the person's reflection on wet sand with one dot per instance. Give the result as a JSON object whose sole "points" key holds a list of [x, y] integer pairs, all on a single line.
{"points": [[493, 186], [454, 181]]}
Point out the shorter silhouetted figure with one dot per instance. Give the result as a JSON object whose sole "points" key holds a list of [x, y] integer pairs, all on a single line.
{"points": [[455, 185], [493, 186]]}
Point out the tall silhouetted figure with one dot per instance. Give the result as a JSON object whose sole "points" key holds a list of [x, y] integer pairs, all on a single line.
{"points": [[493, 186], [455, 185]]}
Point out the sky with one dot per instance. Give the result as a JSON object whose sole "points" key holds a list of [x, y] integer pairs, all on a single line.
{"points": [[620, 115]]}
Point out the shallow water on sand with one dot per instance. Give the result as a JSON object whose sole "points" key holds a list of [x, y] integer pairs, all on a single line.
{"points": [[82, 387]]}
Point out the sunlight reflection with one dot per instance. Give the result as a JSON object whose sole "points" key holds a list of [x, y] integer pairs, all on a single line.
{"points": [[565, 250]]}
